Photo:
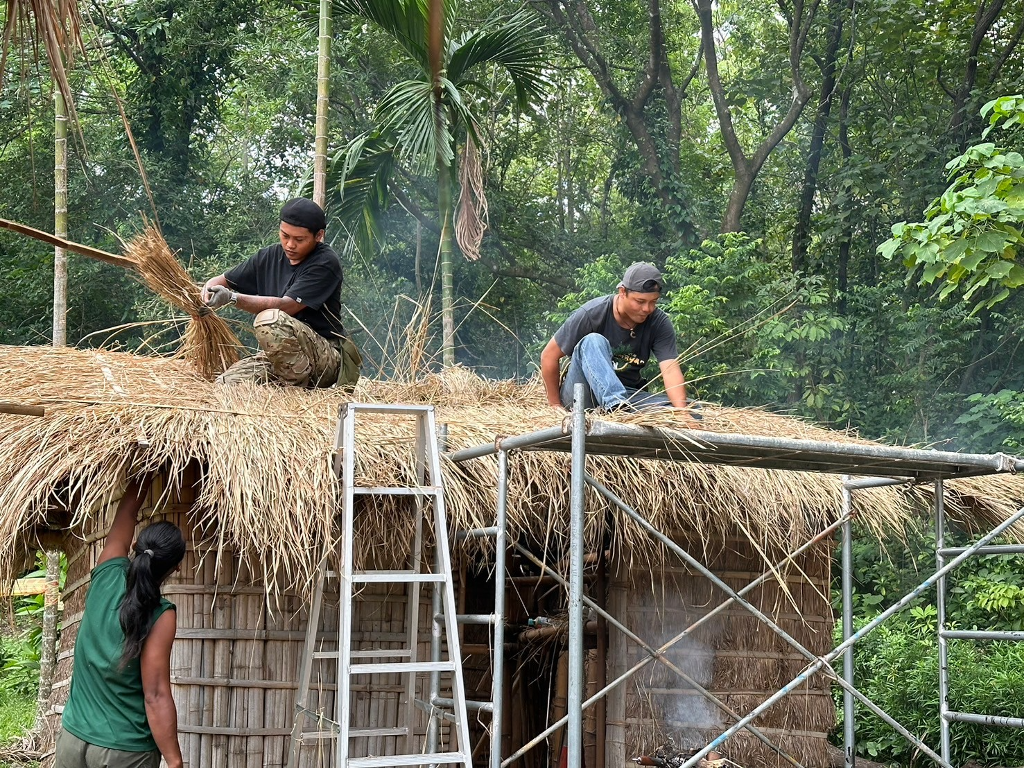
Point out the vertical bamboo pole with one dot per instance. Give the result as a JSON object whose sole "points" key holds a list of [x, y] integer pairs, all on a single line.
{"points": [[51, 602], [323, 92], [60, 218]]}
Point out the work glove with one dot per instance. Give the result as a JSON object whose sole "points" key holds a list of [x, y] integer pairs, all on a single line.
{"points": [[218, 296]]}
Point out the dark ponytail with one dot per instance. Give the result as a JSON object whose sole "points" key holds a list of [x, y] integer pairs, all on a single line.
{"points": [[158, 550]]}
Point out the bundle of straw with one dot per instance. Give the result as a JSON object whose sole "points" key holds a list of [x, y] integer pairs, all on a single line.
{"points": [[208, 344]]}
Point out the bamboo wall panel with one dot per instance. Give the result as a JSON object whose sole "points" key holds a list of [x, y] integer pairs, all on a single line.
{"points": [[734, 655]]}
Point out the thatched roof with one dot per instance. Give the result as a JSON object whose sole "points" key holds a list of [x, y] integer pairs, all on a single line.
{"points": [[267, 487]]}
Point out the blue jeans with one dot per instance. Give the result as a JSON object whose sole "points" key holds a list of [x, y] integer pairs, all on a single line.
{"points": [[591, 365]]}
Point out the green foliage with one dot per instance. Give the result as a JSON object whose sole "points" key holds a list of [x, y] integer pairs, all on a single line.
{"points": [[972, 233], [995, 419], [17, 714], [896, 666], [753, 332]]}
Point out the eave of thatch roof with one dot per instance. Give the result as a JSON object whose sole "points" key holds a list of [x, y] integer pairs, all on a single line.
{"points": [[268, 489]]}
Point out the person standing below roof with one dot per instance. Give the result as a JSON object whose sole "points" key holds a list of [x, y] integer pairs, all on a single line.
{"points": [[120, 713], [610, 339], [294, 289]]}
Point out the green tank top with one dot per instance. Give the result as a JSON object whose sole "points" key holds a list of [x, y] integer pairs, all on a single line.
{"points": [[106, 705]]}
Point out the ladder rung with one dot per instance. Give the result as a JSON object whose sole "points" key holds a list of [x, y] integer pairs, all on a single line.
{"points": [[391, 490], [401, 666], [388, 408], [396, 577], [382, 654], [438, 758]]}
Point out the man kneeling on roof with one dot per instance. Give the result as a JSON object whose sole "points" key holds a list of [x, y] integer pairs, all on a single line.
{"points": [[294, 289], [609, 340]]}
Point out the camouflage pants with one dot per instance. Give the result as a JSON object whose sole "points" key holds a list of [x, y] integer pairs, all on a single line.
{"points": [[290, 353]]}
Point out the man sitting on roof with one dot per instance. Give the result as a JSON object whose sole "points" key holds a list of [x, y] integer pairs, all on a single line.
{"points": [[294, 289], [610, 339]]}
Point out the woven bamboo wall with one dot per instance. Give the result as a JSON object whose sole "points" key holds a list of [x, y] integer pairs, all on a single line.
{"points": [[735, 656], [235, 660]]}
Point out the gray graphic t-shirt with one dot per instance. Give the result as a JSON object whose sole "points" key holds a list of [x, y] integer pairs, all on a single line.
{"points": [[630, 349]]}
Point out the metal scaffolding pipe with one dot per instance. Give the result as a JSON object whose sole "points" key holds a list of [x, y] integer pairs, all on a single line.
{"points": [[1005, 722], [940, 602], [511, 443], [996, 549], [539, 738], [994, 462], [660, 656], [498, 665], [974, 634], [771, 624], [574, 699], [846, 644], [849, 732], [875, 482]]}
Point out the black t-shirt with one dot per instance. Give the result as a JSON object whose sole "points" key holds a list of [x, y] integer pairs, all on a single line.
{"points": [[315, 283], [630, 349]]}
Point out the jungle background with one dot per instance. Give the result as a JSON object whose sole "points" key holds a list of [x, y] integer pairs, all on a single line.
{"points": [[759, 152]]}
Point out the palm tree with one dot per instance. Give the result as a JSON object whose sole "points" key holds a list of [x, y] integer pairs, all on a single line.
{"points": [[420, 123]]}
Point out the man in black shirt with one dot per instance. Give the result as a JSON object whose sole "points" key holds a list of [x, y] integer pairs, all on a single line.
{"points": [[294, 289], [610, 339]]}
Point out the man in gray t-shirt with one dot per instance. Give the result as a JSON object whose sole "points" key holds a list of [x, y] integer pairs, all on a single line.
{"points": [[610, 340]]}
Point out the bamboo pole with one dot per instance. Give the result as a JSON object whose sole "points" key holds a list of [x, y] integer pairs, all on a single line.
{"points": [[21, 410], [83, 250], [60, 219]]}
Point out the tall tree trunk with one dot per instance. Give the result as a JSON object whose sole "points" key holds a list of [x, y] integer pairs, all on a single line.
{"points": [[323, 93], [657, 142], [445, 183], [843, 269], [444, 209], [985, 16], [802, 230], [746, 168]]}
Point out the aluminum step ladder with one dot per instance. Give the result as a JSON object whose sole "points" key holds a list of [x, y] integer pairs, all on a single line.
{"points": [[427, 492]]}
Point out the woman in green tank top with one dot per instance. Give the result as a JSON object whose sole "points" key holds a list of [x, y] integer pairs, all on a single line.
{"points": [[120, 713]]}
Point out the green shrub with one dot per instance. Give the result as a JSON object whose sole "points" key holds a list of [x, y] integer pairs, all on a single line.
{"points": [[897, 667]]}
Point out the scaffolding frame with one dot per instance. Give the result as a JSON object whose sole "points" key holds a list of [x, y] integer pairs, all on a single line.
{"points": [[876, 465]]}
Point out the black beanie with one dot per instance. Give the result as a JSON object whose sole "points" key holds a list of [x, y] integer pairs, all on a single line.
{"points": [[301, 212]]}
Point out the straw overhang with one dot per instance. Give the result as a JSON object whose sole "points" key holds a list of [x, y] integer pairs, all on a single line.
{"points": [[267, 487]]}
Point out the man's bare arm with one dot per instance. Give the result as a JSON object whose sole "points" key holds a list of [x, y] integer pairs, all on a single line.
{"points": [[549, 372], [255, 304], [675, 384]]}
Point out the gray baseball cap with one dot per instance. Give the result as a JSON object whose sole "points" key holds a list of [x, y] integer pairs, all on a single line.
{"points": [[642, 278]]}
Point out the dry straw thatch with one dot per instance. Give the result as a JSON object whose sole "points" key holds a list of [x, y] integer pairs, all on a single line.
{"points": [[268, 489], [208, 344]]}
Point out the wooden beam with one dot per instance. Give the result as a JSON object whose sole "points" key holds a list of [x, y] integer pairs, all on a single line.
{"points": [[21, 410], [83, 250]]}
